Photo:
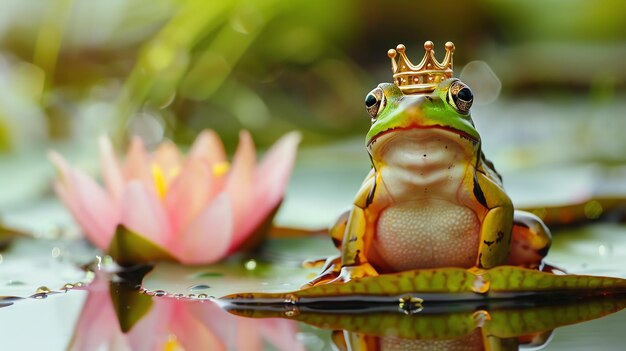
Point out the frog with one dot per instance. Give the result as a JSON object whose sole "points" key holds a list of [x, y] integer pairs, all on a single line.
{"points": [[431, 199]]}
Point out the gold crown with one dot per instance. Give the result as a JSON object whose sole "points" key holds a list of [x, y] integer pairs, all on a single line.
{"points": [[424, 77]]}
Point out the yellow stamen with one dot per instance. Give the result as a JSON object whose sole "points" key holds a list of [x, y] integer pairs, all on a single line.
{"points": [[172, 344], [219, 169], [159, 181]]}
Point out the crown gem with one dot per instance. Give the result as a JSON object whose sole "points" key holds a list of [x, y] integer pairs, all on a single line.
{"points": [[424, 77]]}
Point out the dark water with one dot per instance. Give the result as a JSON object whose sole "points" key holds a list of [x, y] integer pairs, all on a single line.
{"points": [[50, 301]]}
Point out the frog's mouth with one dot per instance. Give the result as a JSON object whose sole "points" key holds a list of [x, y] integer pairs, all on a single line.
{"points": [[389, 133]]}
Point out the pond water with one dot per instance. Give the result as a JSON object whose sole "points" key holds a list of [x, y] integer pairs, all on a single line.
{"points": [[71, 302], [59, 294]]}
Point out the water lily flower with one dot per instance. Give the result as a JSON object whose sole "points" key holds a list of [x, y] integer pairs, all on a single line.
{"points": [[195, 209]]}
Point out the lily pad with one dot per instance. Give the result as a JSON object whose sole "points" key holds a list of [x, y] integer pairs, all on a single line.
{"points": [[39, 267], [445, 285], [276, 267]]}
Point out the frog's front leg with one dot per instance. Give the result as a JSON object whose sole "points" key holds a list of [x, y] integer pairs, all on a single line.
{"points": [[497, 224], [353, 260], [358, 237], [356, 230]]}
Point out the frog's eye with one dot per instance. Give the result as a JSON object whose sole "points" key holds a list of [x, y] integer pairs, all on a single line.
{"points": [[460, 97], [375, 102]]}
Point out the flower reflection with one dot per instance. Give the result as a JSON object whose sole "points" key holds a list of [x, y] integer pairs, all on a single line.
{"points": [[118, 317], [195, 209]]}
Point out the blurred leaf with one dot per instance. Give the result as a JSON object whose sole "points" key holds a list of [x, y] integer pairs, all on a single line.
{"points": [[128, 247], [130, 305]]}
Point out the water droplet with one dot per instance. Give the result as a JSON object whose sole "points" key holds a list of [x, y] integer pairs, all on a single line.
{"points": [[410, 305], [203, 296], [480, 317], [480, 285], [40, 296], [42, 290], [79, 285], [291, 299], [56, 252], [191, 296], [292, 312], [199, 287], [68, 286], [250, 265], [178, 296], [159, 293]]}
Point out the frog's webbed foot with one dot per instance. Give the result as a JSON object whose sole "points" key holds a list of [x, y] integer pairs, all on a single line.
{"points": [[349, 273], [330, 270], [333, 272]]}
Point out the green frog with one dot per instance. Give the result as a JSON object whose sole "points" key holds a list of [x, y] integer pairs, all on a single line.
{"points": [[432, 199]]}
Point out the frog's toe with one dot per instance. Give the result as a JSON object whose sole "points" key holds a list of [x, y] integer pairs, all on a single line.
{"points": [[325, 263], [349, 273], [323, 278], [330, 271]]}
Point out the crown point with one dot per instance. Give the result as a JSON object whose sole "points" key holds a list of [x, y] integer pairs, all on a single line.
{"points": [[424, 77]]}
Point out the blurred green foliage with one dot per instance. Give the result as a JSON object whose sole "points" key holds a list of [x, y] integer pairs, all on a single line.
{"points": [[73, 69]]}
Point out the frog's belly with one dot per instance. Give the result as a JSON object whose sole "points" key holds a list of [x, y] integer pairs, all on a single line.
{"points": [[426, 234]]}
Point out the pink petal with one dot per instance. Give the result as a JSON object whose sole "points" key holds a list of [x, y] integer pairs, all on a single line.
{"points": [[220, 322], [150, 332], [111, 171], [208, 237], [208, 146], [270, 180], [143, 213], [168, 159], [249, 335], [137, 166], [190, 332], [97, 324], [282, 334], [91, 207], [239, 185], [189, 193]]}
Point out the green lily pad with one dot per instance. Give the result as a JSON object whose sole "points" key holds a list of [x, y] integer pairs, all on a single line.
{"points": [[128, 247], [30, 266], [275, 267], [446, 284]]}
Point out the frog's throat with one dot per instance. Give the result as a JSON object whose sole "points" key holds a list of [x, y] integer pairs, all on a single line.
{"points": [[461, 133]]}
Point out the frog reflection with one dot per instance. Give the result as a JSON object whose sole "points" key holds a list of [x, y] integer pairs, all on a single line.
{"points": [[432, 199]]}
